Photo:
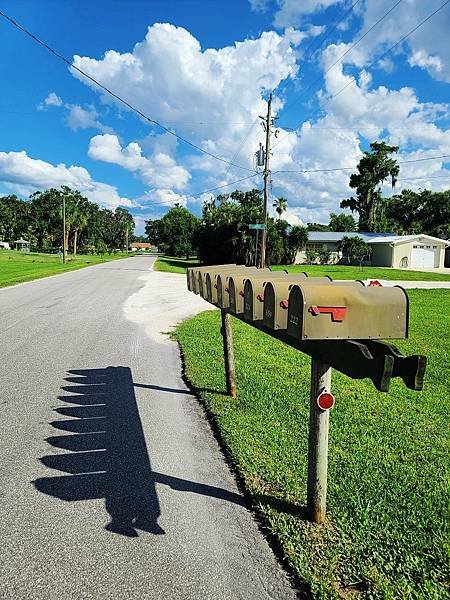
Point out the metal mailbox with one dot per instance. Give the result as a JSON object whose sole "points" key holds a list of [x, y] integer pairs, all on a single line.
{"points": [[198, 281], [276, 297], [211, 279], [235, 286], [347, 312], [254, 292]]}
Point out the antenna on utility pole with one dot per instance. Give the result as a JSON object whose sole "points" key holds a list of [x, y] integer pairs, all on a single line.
{"points": [[267, 122]]}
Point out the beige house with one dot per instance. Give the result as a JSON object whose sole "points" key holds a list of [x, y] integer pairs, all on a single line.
{"points": [[388, 250]]}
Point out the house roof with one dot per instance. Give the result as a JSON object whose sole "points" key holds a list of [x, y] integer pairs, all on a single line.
{"points": [[140, 245], [369, 238], [336, 236], [401, 239]]}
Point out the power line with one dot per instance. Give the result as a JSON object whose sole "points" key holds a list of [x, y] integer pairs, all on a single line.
{"points": [[402, 39], [220, 187], [343, 55], [402, 162], [116, 96], [326, 34]]}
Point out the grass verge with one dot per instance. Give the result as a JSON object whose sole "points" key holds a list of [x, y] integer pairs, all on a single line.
{"points": [[387, 530], [179, 265], [172, 264], [18, 267], [349, 272]]}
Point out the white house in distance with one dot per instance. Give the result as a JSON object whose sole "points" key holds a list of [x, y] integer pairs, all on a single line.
{"points": [[388, 249]]}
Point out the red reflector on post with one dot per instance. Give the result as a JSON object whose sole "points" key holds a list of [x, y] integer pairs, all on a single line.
{"points": [[325, 400]]}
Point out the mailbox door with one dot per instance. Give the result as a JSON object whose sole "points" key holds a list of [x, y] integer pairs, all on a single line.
{"points": [[347, 312], [212, 279], [232, 295], [210, 296], [238, 287], [277, 293], [223, 299], [254, 293]]}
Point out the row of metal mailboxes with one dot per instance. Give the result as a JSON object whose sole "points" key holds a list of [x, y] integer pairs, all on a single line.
{"points": [[307, 308]]}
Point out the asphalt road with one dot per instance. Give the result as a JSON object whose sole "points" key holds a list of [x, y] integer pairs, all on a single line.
{"points": [[111, 483]]}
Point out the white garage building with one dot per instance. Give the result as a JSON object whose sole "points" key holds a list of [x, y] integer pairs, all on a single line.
{"points": [[408, 251], [388, 250]]}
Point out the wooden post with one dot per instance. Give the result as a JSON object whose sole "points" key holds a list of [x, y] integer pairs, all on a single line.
{"points": [[228, 353], [318, 443]]}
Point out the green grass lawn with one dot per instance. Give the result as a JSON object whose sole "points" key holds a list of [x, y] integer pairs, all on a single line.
{"points": [[172, 264], [349, 272], [387, 533], [17, 267], [179, 265]]}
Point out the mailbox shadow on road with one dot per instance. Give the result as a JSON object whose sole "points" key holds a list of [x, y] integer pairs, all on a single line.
{"points": [[107, 455]]}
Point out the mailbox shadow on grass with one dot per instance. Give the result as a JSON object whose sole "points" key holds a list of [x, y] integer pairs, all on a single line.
{"points": [[107, 455]]}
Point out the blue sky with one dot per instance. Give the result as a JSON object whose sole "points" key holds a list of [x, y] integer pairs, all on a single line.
{"points": [[204, 69]]}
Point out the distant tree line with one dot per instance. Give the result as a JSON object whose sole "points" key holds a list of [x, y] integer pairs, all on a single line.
{"points": [[222, 234], [89, 228]]}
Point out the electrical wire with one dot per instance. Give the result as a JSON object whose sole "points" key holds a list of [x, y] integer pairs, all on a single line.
{"points": [[402, 39], [325, 35], [342, 57], [116, 96], [401, 162]]}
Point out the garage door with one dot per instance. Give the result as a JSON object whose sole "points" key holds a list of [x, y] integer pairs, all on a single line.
{"points": [[424, 256]]}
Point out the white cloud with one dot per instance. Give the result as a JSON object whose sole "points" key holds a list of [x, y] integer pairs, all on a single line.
{"points": [[213, 96], [84, 118], [78, 117], [334, 141], [51, 100], [428, 45], [158, 198], [170, 78], [26, 175], [291, 12], [159, 170]]}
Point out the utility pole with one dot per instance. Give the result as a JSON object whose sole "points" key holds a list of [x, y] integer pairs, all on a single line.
{"points": [[126, 238], [268, 125], [64, 230]]}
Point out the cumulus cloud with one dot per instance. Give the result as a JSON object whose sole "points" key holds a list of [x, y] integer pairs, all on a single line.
{"points": [[170, 78], [84, 118], [51, 100], [426, 48], [291, 12], [25, 175], [159, 170], [158, 198], [358, 115], [214, 97], [78, 117]]}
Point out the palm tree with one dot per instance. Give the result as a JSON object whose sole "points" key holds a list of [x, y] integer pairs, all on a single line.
{"points": [[297, 240], [280, 206]]}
